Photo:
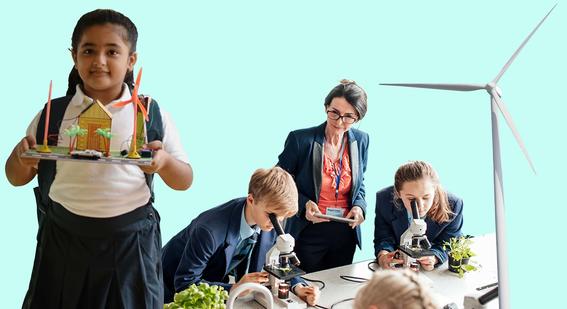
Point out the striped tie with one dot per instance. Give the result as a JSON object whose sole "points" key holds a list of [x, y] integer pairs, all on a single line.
{"points": [[243, 252]]}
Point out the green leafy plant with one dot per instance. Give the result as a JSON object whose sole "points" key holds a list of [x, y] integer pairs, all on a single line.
{"points": [[459, 252], [202, 296]]}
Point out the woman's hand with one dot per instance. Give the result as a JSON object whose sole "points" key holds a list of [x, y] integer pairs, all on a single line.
{"points": [[310, 210], [309, 294], [357, 214], [427, 262], [386, 259]]}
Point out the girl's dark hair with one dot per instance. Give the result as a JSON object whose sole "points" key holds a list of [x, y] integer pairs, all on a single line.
{"points": [[101, 17], [353, 93]]}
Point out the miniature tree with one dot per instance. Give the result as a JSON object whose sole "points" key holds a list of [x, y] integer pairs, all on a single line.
{"points": [[73, 131], [106, 135]]}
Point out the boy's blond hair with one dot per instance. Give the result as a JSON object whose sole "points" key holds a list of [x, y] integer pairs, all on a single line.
{"points": [[276, 188], [394, 289]]}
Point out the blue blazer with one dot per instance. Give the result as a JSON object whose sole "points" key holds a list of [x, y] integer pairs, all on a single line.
{"points": [[392, 221], [202, 251], [302, 157]]}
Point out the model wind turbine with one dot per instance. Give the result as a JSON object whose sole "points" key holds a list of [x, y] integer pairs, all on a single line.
{"points": [[496, 104], [133, 154]]}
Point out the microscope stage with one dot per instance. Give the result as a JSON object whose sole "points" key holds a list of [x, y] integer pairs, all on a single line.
{"points": [[284, 274]]}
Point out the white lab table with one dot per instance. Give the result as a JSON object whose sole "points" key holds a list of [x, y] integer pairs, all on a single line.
{"points": [[447, 286]]}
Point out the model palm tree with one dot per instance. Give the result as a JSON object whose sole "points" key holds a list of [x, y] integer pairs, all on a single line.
{"points": [[106, 135], [74, 131], [133, 154]]}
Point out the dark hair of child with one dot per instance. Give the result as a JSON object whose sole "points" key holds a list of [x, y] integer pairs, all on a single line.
{"points": [[101, 17]]}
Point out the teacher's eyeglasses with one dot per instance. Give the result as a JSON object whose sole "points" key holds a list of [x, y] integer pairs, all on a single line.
{"points": [[334, 115]]}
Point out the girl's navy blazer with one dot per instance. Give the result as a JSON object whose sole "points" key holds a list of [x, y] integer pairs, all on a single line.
{"points": [[392, 221], [302, 157]]}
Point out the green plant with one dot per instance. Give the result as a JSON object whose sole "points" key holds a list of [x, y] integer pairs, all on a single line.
{"points": [[202, 296], [459, 252]]}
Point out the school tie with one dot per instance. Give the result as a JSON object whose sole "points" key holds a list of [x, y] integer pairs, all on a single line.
{"points": [[243, 252]]}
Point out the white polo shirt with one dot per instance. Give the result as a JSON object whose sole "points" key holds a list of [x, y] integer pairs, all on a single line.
{"points": [[105, 190]]}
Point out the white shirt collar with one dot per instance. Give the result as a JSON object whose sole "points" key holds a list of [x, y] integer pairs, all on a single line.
{"points": [[245, 229], [81, 99]]}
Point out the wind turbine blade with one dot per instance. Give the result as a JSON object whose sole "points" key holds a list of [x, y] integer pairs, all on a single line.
{"points": [[137, 84], [512, 126], [122, 103], [507, 65], [138, 77], [455, 87]]}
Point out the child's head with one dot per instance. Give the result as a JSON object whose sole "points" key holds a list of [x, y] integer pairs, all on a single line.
{"points": [[394, 289], [417, 180], [271, 191], [104, 52]]}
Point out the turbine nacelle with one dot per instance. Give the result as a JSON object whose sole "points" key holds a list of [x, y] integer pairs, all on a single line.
{"points": [[492, 88]]}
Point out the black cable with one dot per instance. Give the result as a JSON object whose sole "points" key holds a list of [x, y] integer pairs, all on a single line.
{"points": [[372, 268], [353, 279], [319, 306], [316, 281], [340, 302]]}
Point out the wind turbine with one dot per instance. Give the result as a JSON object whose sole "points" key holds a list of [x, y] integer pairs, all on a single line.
{"points": [[496, 104], [135, 100]]}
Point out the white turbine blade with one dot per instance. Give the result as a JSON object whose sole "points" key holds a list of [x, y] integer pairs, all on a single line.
{"points": [[512, 126], [507, 65], [455, 87]]}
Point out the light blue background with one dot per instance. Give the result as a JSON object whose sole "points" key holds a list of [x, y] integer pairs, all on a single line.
{"points": [[238, 76]]}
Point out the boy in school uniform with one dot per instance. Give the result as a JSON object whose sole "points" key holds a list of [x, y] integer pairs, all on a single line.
{"points": [[233, 239]]}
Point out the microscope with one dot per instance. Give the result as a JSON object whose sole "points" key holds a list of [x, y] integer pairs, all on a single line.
{"points": [[413, 242], [281, 265]]}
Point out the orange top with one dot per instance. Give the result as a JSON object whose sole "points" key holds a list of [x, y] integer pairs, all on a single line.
{"points": [[327, 196]]}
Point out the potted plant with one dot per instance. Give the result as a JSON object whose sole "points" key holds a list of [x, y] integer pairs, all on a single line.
{"points": [[459, 252], [202, 296]]}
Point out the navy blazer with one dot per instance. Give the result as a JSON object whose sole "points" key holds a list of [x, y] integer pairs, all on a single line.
{"points": [[302, 157], [392, 221], [202, 251]]}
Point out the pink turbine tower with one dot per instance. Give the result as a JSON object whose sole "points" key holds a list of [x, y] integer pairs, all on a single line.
{"points": [[45, 148]]}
